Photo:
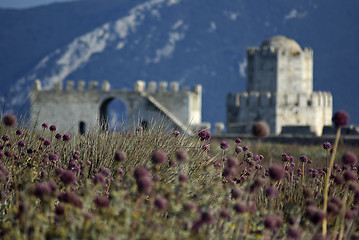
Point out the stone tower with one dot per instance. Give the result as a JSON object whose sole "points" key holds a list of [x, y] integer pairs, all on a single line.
{"points": [[280, 91]]}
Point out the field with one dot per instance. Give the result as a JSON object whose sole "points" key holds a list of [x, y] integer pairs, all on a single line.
{"points": [[160, 184]]}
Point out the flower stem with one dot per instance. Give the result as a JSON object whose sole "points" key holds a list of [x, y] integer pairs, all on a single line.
{"points": [[327, 178]]}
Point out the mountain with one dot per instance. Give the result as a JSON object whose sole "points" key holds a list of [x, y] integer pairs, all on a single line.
{"points": [[190, 41]]}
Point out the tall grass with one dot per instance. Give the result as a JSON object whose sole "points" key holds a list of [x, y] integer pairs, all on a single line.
{"points": [[94, 186]]}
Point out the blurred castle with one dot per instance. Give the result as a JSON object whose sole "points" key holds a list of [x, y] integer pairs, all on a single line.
{"points": [[280, 91], [73, 109]]}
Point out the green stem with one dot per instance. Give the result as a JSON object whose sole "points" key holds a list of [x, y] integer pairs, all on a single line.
{"points": [[327, 178], [341, 233]]}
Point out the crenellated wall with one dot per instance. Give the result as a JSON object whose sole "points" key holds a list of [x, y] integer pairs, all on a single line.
{"points": [[68, 106], [278, 110]]}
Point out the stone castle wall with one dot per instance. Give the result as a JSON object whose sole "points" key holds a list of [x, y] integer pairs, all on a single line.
{"points": [[69, 107], [279, 110], [277, 70], [279, 90]]}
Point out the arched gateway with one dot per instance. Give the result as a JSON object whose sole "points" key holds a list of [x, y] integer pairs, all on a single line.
{"points": [[76, 110]]}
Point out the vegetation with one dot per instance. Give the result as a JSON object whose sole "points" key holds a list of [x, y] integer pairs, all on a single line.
{"points": [[156, 184]]}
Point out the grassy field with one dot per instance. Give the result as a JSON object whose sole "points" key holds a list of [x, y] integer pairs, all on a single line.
{"points": [[159, 184]]}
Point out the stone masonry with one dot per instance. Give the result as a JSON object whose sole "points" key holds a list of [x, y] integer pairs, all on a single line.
{"points": [[279, 91], [71, 109]]}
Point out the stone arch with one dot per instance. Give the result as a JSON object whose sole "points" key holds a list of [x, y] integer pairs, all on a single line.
{"points": [[104, 114]]}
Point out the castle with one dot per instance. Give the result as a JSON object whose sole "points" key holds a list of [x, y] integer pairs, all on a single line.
{"points": [[279, 91], [74, 110]]}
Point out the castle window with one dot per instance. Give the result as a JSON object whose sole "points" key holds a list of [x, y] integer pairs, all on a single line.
{"points": [[144, 124], [82, 127]]}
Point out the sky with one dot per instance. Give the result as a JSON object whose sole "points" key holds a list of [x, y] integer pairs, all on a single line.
{"points": [[18, 4]]}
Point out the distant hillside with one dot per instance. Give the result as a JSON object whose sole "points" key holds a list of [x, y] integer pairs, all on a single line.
{"points": [[190, 41]]}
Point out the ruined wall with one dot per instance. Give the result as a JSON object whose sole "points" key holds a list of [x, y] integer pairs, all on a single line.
{"points": [[68, 107]]}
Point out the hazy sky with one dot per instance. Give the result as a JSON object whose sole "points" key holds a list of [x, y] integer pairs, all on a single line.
{"points": [[26, 3]]}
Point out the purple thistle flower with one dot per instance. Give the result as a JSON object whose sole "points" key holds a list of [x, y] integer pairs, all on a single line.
{"points": [[53, 157], [8, 154], [276, 172], [317, 216], [349, 158], [238, 140], [340, 118], [224, 145], [327, 145], [270, 222], [294, 232], [120, 156], [303, 159], [159, 157], [68, 177], [72, 198], [272, 192], [101, 202], [105, 172], [21, 143], [18, 132], [285, 157], [66, 138], [47, 143], [141, 172], [241, 207], [225, 213], [42, 190], [160, 203], [350, 176], [245, 148], [6, 138], [120, 171], [60, 210], [236, 193], [9, 120], [144, 184], [232, 163], [181, 155], [45, 125], [207, 217], [182, 177], [52, 128], [99, 179], [58, 136], [204, 135], [238, 149], [143, 179]]}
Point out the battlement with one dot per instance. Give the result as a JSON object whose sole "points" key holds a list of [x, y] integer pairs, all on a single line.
{"points": [[266, 99], [70, 86], [154, 87], [270, 51], [245, 99], [105, 86]]}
